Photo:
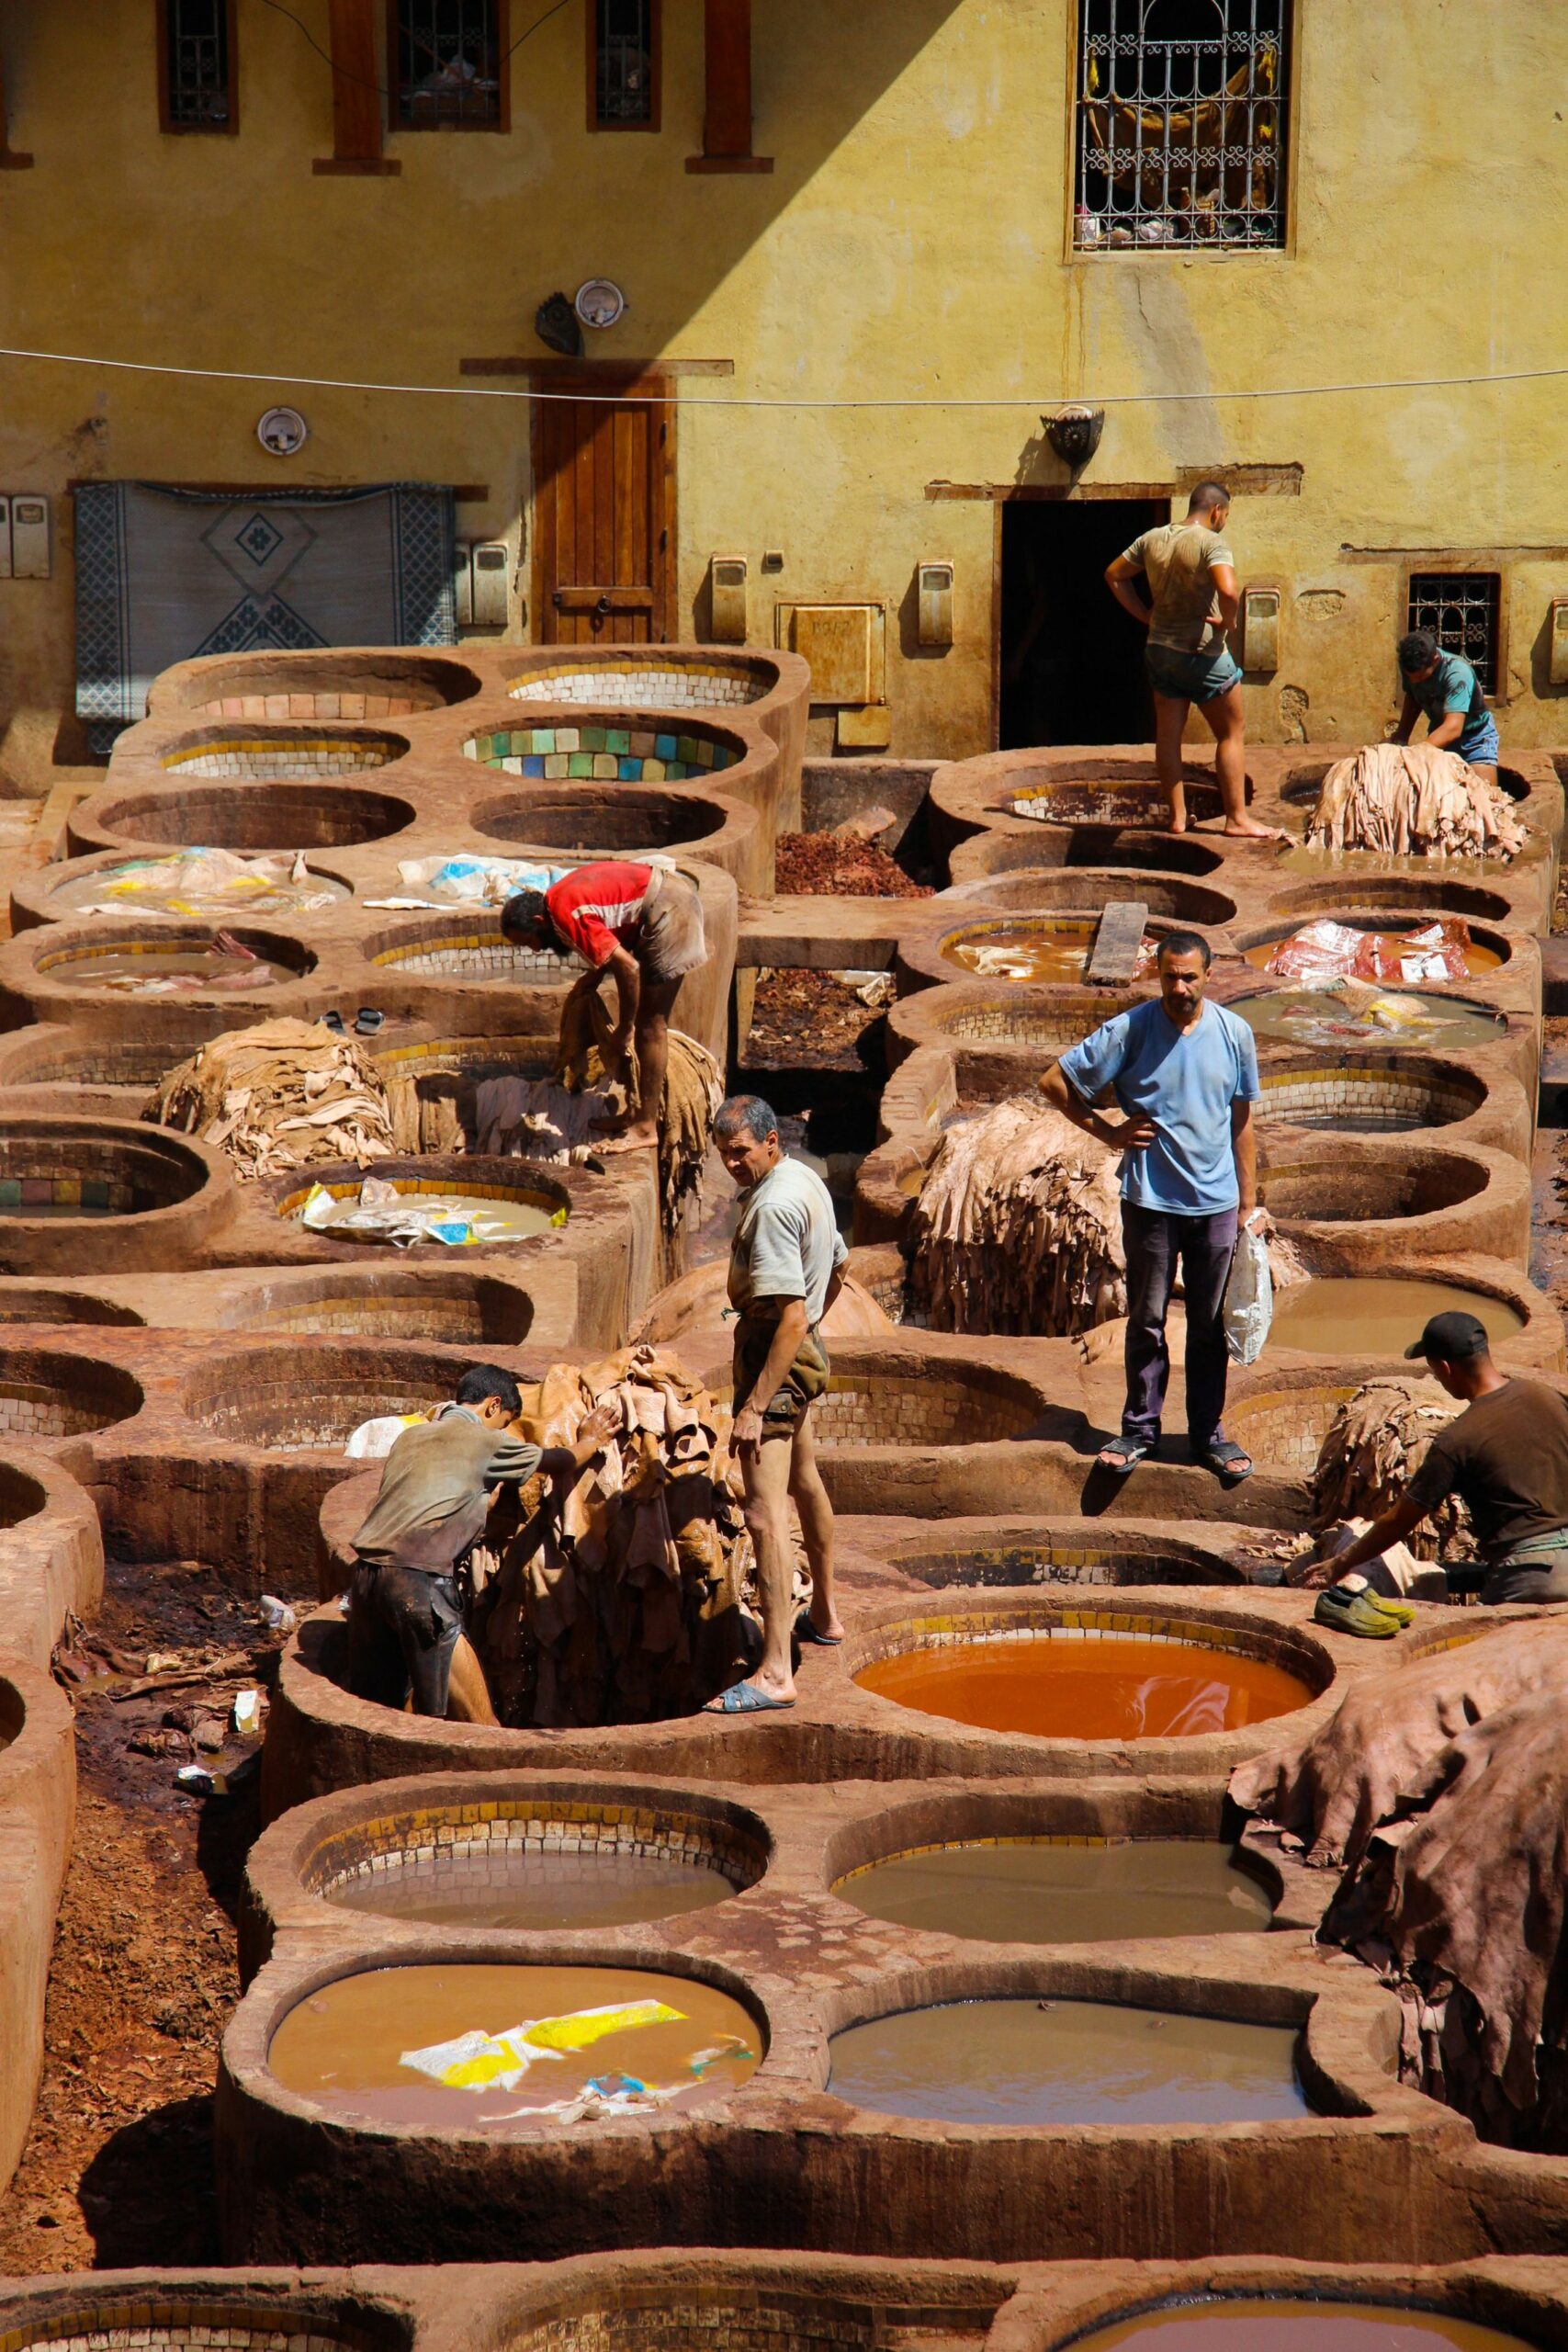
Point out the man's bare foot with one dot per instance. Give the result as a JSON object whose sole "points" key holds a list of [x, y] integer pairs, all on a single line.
{"points": [[1175, 813], [1248, 829], [638, 1138]]}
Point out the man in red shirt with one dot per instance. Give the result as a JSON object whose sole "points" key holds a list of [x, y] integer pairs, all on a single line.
{"points": [[643, 924]]}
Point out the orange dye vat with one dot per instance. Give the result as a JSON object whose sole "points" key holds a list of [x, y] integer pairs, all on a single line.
{"points": [[1103, 1687]]}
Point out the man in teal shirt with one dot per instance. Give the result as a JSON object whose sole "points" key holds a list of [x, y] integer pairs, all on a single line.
{"points": [[1184, 1074], [1446, 688]]}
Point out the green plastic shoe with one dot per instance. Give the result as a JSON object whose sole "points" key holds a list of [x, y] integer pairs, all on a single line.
{"points": [[1354, 1613], [1400, 1610]]}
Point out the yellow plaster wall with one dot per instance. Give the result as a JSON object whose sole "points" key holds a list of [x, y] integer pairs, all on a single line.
{"points": [[910, 243]]}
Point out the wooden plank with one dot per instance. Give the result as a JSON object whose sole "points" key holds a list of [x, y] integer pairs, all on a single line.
{"points": [[663, 521], [726, 114], [1118, 940]]}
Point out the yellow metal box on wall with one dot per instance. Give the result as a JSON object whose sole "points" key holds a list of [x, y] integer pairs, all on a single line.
{"points": [[844, 644]]}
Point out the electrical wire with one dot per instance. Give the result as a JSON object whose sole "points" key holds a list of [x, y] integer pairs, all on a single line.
{"points": [[754, 400], [358, 79]]}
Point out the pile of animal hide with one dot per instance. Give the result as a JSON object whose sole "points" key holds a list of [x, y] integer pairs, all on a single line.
{"points": [[496, 1111], [623, 1605], [1406, 799], [693, 1089], [1442, 1790], [283, 1095], [1018, 1227], [1376, 1443]]}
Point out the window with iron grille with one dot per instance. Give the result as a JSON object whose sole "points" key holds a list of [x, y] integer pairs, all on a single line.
{"points": [[623, 63], [195, 66], [447, 58], [1181, 114], [1461, 610]]}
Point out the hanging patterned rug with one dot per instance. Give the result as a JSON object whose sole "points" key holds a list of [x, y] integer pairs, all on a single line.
{"points": [[162, 575]]}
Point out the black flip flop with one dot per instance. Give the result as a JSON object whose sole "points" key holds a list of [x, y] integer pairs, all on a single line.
{"points": [[1132, 1451], [1230, 1463], [806, 1632]]}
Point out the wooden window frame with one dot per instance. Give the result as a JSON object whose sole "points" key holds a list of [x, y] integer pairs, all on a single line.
{"points": [[1484, 563], [397, 127], [656, 54], [198, 129]]}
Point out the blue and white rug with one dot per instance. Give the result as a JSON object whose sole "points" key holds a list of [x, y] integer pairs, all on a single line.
{"points": [[162, 575]]}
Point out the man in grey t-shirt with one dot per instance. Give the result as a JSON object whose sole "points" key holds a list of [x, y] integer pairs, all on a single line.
{"points": [[787, 1264]]}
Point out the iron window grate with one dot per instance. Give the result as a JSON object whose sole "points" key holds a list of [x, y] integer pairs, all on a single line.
{"points": [[1461, 610], [1181, 113], [624, 39], [448, 65], [197, 51]]}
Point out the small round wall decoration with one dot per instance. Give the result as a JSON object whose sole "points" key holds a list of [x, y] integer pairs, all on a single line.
{"points": [[283, 432], [598, 302]]}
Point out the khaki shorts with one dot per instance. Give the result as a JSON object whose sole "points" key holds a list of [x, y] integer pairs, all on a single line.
{"points": [[802, 1383], [671, 942]]}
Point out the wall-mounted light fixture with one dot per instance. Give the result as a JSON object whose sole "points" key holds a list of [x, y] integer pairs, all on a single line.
{"points": [[1074, 433]]}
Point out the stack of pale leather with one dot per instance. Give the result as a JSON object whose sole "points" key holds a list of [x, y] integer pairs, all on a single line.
{"points": [[283, 1095]]}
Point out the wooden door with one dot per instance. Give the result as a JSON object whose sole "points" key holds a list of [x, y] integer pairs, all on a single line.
{"points": [[604, 515]]}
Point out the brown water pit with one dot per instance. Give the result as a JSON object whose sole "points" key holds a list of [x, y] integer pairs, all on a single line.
{"points": [[1317, 1017], [1382, 941], [485, 1217], [1078, 1683], [1064, 1890], [1034, 953], [511, 1886], [346, 2046], [1376, 1315], [172, 971], [1276, 2324], [1022, 2062]]}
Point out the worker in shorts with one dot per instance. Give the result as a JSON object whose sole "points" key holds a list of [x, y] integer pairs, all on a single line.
{"points": [[644, 925], [786, 1266], [1445, 690], [405, 1615]]}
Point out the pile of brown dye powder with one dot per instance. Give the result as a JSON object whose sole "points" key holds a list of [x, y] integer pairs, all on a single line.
{"points": [[840, 866]]}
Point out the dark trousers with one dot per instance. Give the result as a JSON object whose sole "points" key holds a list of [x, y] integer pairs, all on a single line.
{"points": [[1154, 1243]]}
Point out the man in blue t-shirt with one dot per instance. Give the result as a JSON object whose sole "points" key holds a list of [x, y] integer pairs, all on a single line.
{"points": [[1184, 1073], [1446, 689]]}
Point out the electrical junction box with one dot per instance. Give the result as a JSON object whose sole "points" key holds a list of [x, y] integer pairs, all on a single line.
{"points": [[1260, 629], [843, 644], [490, 570], [935, 584], [463, 582], [726, 594], [24, 537], [1557, 643]]}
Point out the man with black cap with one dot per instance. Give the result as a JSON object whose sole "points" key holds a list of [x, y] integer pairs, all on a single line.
{"points": [[1507, 1458]]}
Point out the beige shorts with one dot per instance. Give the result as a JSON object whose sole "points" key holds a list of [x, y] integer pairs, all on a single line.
{"points": [[671, 943]]}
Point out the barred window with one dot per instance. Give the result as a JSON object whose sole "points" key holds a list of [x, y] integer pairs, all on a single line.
{"points": [[446, 58], [623, 65], [1462, 609], [195, 66], [1181, 115]]}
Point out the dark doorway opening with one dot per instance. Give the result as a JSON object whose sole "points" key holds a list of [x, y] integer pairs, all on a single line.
{"points": [[1072, 660]]}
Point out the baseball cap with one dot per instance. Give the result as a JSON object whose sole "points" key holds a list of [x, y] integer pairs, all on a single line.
{"points": [[1451, 1338]]}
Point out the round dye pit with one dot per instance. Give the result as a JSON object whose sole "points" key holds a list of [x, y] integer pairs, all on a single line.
{"points": [[1343, 1098], [276, 755], [260, 1400], [31, 1303], [1283, 1427], [455, 1309], [1376, 1315], [597, 753], [214, 888], [73, 1170], [1281, 2323], [640, 683], [1091, 802], [164, 2317], [1036, 954], [1390, 1022], [1371, 1187], [468, 948], [1091, 1558], [549, 1864], [1417, 955], [1077, 1682], [1072, 890], [285, 818], [923, 1407], [1013, 2063], [397, 1212], [331, 686], [623, 822], [1063, 1890], [177, 962], [46, 1396], [470, 2047]]}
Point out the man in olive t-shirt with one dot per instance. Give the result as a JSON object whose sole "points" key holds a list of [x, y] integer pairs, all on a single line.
{"points": [[1192, 576], [1507, 1458]]}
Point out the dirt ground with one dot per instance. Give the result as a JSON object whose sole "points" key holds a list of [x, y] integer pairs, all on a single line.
{"points": [[118, 2169]]}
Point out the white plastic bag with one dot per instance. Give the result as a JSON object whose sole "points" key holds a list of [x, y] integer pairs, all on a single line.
{"points": [[1249, 1298]]}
